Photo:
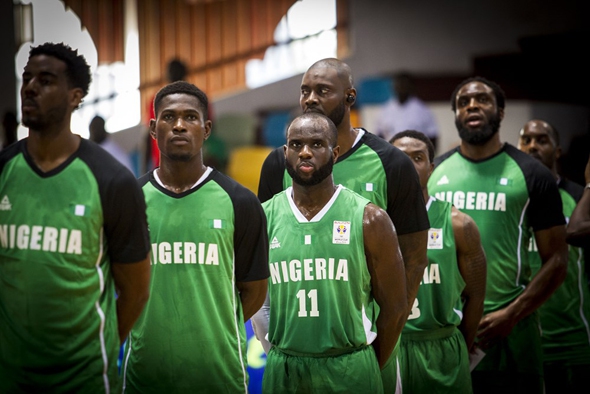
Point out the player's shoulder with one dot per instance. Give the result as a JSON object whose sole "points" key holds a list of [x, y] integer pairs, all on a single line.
{"points": [[11, 152], [102, 164], [440, 159], [572, 188], [531, 167], [237, 193]]}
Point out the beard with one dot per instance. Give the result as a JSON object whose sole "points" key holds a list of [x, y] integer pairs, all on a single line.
{"points": [[337, 114], [42, 121], [318, 176], [482, 135]]}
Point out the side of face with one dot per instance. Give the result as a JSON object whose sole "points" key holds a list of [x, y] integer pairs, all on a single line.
{"points": [[535, 140], [322, 91], [308, 152], [417, 151], [46, 97], [180, 127]]}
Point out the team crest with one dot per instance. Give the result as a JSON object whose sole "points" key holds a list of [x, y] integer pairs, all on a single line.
{"points": [[341, 233], [435, 238]]}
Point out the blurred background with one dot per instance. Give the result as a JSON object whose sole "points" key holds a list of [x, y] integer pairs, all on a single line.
{"points": [[249, 57]]}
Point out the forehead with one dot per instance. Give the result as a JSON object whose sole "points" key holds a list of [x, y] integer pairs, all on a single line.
{"points": [[475, 88], [410, 145], [537, 129], [180, 102], [308, 128], [45, 64], [321, 75]]}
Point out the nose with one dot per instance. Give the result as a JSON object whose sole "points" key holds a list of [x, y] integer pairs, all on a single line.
{"points": [[311, 99], [179, 124], [305, 152], [472, 104], [29, 88]]}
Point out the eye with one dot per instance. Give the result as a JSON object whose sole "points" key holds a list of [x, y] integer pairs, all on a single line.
{"points": [[525, 140], [304, 92], [167, 117], [192, 118], [483, 99]]}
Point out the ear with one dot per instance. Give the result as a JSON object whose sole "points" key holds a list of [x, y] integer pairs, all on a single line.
{"points": [[76, 96], [431, 169], [208, 125], [336, 152], [153, 128], [558, 152], [350, 93], [501, 113]]}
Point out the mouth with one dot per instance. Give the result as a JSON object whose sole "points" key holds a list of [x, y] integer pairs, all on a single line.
{"points": [[306, 167], [474, 121], [28, 104], [314, 109], [179, 140]]}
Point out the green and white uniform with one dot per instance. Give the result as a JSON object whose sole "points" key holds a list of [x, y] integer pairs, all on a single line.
{"points": [[565, 316], [321, 304], [191, 334], [433, 353], [509, 195], [60, 231]]}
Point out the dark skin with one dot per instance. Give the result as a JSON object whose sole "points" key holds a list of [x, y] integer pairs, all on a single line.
{"points": [[325, 88], [48, 101], [308, 148], [536, 139], [470, 254], [181, 129], [475, 102], [578, 229]]}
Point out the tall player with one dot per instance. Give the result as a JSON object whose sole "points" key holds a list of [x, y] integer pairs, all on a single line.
{"points": [[209, 261], [443, 322], [333, 257], [72, 230], [565, 316], [507, 193]]}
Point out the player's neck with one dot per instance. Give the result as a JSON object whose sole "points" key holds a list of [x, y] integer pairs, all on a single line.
{"points": [[312, 199], [480, 152], [180, 176], [52, 147], [346, 135]]}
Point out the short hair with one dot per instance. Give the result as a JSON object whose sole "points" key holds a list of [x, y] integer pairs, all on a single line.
{"points": [[176, 70], [318, 118], [551, 130], [417, 136], [77, 69], [182, 87], [498, 92], [342, 69]]}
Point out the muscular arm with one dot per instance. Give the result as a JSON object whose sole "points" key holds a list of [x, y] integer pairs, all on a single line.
{"points": [[413, 249], [252, 295], [578, 229], [553, 253], [132, 281], [386, 267], [472, 265]]}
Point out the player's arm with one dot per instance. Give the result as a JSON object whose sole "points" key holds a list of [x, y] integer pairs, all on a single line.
{"points": [[578, 229], [472, 265], [413, 249], [271, 175], [388, 282], [260, 321], [553, 252], [252, 295], [132, 281]]}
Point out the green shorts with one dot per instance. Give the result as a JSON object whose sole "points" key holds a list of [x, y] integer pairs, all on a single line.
{"points": [[435, 362], [355, 372], [390, 374], [515, 364]]}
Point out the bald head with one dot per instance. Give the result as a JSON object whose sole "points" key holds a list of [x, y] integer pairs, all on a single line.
{"points": [[540, 140], [318, 122], [342, 69]]}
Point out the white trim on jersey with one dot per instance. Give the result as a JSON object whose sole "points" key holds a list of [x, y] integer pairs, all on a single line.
{"points": [[519, 243], [299, 216], [100, 312], [126, 363]]}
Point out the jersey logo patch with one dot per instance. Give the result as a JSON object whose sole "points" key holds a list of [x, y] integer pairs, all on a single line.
{"points": [[369, 187], [341, 233], [274, 244], [307, 239], [443, 181], [435, 238], [5, 204]]}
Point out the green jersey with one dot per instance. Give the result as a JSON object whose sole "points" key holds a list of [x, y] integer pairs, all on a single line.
{"points": [[564, 317], [191, 334], [320, 286], [438, 303], [60, 231], [509, 195]]}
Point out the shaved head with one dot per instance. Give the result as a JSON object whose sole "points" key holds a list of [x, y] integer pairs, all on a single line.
{"points": [[343, 70]]}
